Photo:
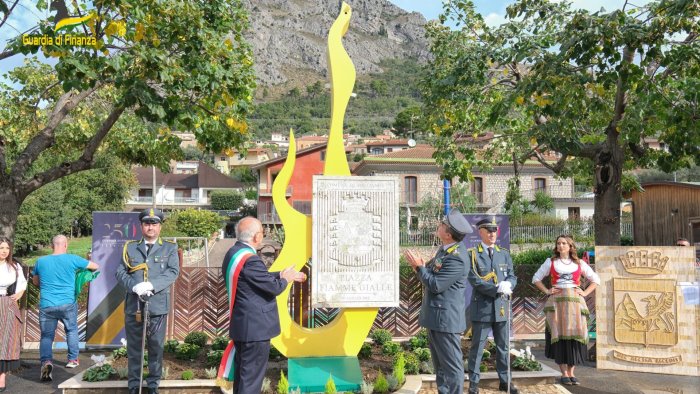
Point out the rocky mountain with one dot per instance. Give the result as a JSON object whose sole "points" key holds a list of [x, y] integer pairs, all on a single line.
{"points": [[289, 37]]}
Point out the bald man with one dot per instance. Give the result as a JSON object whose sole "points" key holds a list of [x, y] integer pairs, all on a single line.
{"points": [[55, 276], [254, 319]]}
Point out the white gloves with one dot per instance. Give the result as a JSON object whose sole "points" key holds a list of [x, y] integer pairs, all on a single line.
{"points": [[143, 288], [505, 288]]}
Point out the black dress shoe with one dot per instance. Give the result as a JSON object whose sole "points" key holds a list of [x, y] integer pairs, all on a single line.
{"points": [[504, 387]]}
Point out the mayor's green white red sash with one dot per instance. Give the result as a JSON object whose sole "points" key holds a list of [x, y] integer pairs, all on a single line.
{"points": [[225, 375]]}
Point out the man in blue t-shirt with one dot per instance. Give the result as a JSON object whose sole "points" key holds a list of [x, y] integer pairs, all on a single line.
{"points": [[55, 276]]}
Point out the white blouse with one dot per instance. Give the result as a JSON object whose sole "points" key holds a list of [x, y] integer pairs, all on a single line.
{"points": [[7, 278], [565, 268]]}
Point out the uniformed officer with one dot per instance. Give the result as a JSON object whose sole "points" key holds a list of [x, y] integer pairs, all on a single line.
{"points": [[491, 275], [148, 269], [442, 311]]}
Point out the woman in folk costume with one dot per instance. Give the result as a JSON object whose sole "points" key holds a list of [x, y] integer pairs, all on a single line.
{"points": [[566, 334], [12, 286]]}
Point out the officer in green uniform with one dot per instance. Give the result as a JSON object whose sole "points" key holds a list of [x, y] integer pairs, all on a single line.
{"points": [[148, 269], [491, 275], [442, 310]]}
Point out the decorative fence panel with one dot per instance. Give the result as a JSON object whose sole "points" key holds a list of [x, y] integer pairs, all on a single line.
{"points": [[200, 303]]}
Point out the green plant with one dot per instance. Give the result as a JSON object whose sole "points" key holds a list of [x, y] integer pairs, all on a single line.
{"points": [[165, 372], [198, 338], [99, 374], [187, 351], [170, 345], [532, 257], [423, 354], [274, 354], [197, 223], [187, 375], [418, 341], [212, 372], [214, 358], [365, 351], [219, 343], [526, 364], [412, 364], [266, 385], [392, 382], [427, 367], [486, 355], [380, 336], [483, 367], [391, 348], [400, 368], [283, 384], [380, 384], [123, 372], [366, 387], [119, 353], [330, 386], [226, 200]]}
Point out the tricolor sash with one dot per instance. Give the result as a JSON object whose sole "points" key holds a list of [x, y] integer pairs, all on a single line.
{"points": [[234, 269]]}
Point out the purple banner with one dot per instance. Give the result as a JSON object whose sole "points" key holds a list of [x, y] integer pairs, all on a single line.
{"points": [[110, 231]]}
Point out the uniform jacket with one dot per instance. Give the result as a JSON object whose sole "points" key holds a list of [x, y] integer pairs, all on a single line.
{"points": [[444, 280], [163, 269], [255, 316], [486, 303]]}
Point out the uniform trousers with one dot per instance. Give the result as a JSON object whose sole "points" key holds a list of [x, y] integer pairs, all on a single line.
{"points": [[446, 352], [154, 345], [480, 332]]}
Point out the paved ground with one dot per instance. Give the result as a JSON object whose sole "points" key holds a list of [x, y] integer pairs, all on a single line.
{"points": [[26, 379], [539, 389]]}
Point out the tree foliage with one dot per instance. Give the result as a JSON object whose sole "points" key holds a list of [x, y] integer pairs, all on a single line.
{"points": [[591, 87], [155, 66], [196, 223], [226, 200]]}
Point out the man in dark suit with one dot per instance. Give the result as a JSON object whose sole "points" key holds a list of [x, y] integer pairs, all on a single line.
{"points": [[254, 318], [149, 267], [491, 275], [442, 311]]}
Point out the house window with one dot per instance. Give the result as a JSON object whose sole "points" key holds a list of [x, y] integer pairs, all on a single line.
{"points": [[410, 189], [540, 184], [145, 192], [222, 158], [183, 193], [389, 149], [377, 151], [478, 189], [323, 155], [574, 213]]}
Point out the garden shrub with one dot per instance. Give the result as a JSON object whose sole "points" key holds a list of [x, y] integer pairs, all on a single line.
{"points": [[400, 368], [198, 338], [532, 257], [330, 386], [427, 367], [283, 384], [187, 375], [380, 336], [99, 374], [412, 364], [365, 351], [170, 345], [380, 384], [422, 353], [214, 358], [119, 353], [187, 351], [219, 343], [391, 348]]}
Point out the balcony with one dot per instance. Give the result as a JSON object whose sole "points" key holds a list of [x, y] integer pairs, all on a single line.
{"points": [[268, 192], [267, 213]]}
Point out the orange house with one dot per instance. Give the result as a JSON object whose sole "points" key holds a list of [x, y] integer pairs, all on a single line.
{"points": [[309, 162]]}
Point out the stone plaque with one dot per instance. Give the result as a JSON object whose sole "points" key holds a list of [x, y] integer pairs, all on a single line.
{"points": [[355, 242], [643, 322]]}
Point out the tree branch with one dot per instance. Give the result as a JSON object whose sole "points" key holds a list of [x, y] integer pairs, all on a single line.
{"points": [[557, 167], [638, 149], [9, 11], [7, 54], [3, 164], [620, 94], [66, 103], [85, 162]]}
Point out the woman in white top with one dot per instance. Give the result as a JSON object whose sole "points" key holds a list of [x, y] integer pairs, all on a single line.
{"points": [[566, 333], [12, 286]]}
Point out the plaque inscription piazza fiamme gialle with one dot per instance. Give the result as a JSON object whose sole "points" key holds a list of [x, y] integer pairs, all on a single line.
{"points": [[643, 322], [355, 242]]}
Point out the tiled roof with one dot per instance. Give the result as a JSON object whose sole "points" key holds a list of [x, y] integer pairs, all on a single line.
{"points": [[206, 177], [388, 142]]}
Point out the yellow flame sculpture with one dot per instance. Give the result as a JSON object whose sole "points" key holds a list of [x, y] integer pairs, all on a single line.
{"points": [[346, 333]]}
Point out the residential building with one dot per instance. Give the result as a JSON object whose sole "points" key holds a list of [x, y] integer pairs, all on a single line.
{"points": [[228, 161], [188, 185], [386, 146]]}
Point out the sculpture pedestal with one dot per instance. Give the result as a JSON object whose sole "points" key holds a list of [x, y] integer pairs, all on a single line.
{"points": [[310, 374]]}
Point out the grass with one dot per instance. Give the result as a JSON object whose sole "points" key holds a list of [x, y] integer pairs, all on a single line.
{"points": [[80, 246]]}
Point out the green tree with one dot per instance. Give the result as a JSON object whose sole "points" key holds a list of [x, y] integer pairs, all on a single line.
{"points": [[154, 66], [226, 200], [379, 87], [408, 121], [588, 86], [196, 223], [314, 90]]}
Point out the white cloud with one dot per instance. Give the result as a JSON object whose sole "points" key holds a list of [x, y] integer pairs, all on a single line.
{"points": [[494, 19]]}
